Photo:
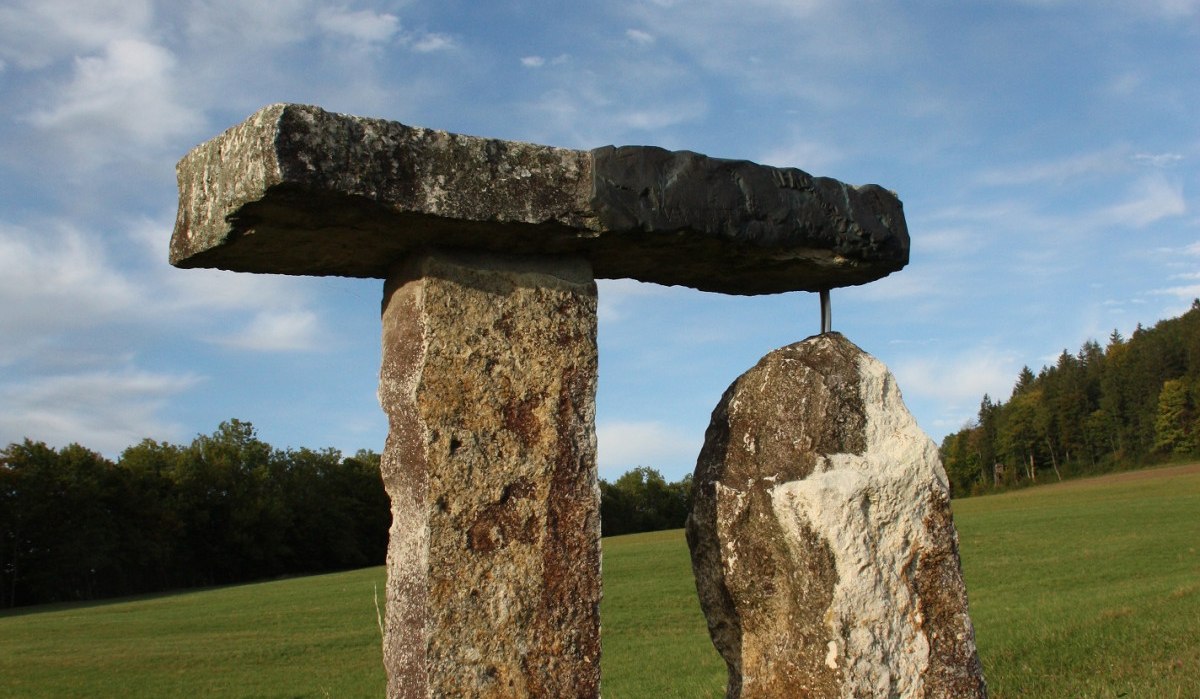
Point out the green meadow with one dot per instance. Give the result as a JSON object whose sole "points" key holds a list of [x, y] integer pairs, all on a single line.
{"points": [[1089, 588]]}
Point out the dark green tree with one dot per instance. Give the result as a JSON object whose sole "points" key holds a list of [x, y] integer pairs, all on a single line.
{"points": [[641, 500]]}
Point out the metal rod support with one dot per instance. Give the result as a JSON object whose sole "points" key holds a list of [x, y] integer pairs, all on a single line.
{"points": [[826, 312]]}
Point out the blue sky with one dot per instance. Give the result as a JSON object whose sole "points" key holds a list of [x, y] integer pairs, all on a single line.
{"points": [[1047, 152]]}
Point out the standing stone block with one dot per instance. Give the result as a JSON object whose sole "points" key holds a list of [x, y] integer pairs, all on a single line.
{"points": [[822, 541], [489, 380]]}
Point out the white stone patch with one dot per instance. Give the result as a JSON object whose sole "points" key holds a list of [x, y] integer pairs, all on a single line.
{"points": [[731, 503], [750, 443], [870, 511], [831, 659]]}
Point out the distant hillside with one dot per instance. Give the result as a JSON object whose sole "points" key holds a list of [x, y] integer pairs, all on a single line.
{"points": [[1131, 402]]}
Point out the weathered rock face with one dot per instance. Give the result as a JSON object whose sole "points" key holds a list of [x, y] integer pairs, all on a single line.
{"points": [[822, 541], [488, 380], [298, 190]]}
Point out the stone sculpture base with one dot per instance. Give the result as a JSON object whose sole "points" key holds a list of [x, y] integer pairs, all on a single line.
{"points": [[488, 380], [824, 550]]}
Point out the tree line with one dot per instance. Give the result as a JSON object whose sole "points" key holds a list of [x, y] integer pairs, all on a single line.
{"points": [[226, 508], [1133, 401], [642, 500]]}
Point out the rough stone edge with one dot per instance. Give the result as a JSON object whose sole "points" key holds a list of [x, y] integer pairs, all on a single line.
{"points": [[404, 643], [643, 188], [289, 150], [204, 197]]}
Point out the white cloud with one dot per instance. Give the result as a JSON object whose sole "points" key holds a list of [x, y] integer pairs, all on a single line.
{"points": [[242, 26], [1170, 9], [765, 44], [362, 25], [1104, 162], [55, 282], [591, 101], [1152, 199], [36, 33], [661, 117], [539, 61], [921, 283], [957, 379], [625, 445], [181, 290], [1190, 291], [74, 319], [168, 292], [295, 330], [104, 410], [812, 157], [428, 42], [947, 390], [638, 36], [1115, 160], [1159, 160], [117, 102], [1125, 84], [61, 281]]}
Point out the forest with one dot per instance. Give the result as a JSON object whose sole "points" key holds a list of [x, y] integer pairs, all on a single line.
{"points": [[1132, 402], [227, 508]]}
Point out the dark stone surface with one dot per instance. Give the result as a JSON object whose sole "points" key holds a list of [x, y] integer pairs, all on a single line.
{"points": [[298, 190]]}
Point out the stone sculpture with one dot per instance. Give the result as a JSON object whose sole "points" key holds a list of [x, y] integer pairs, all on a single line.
{"points": [[822, 542], [489, 250]]}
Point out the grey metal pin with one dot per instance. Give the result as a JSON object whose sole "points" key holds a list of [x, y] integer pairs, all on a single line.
{"points": [[826, 312]]}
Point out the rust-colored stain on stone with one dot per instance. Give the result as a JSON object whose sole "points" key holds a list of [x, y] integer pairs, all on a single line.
{"points": [[509, 519], [520, 418], [954, 667]]}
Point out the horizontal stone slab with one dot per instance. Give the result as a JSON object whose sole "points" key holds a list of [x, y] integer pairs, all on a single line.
{"points": [[298, 190]]}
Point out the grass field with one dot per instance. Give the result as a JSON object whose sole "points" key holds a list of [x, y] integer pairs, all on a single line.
{"points": [[1084, 589], [1089, 588]]}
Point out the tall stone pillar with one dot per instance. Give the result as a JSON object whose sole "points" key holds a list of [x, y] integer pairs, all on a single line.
{"points": [[489, 380]]}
